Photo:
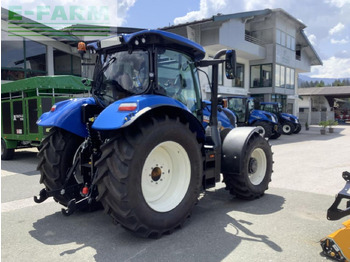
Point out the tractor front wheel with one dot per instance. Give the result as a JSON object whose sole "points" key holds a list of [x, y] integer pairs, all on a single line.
{"points": [[149, 176], [255, 175], [288, 128], [297, 129]]}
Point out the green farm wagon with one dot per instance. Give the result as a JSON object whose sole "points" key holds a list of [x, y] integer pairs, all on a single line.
{"points": [[23, 101]]}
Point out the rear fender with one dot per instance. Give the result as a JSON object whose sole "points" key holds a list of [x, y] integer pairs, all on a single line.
{"points": [[233, 148], [113, 117], [67, 115]]}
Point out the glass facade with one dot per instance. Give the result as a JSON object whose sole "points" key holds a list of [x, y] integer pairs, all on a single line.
{"points": [[284, 77], [285, 40], [261, 75], [21, 58], [239, 79]]}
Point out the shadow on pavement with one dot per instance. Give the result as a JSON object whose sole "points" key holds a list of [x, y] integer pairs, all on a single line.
{"points": [[211, 235]]}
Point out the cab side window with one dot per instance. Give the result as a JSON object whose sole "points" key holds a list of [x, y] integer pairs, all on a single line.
{"points": [[176, 76]]}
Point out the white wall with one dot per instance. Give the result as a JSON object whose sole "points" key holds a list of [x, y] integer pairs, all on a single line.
{"points": [[232, 34]]}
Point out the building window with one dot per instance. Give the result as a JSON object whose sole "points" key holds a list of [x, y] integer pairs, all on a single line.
{"points": [[21, 58], [278, 76], [66, 64], [261, 75], [284, 77], [288, 81], [278, 36], [285, 40], [221, 75], [292, 78], [239, 79], [35, 59]]}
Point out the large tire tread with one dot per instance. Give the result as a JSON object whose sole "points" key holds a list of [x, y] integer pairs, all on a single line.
{"points": [[113, 175], [55, 159], [239, 184]]}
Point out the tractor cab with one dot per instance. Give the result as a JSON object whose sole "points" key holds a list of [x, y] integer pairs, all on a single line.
{"points": [[272, 107], [147, 62], [242, 107]]}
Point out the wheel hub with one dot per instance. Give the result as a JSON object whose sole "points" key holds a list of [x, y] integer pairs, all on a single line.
{"points": [[156, 174], [253, 165]]}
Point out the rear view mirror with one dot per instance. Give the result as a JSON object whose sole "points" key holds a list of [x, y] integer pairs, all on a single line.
{"points": [[230, 64]]}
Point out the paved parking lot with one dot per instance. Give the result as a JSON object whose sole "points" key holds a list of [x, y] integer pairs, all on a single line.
{"points": [[284, 225]]}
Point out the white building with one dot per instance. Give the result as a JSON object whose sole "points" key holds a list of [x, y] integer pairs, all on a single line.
{"points": [[272, 49]]}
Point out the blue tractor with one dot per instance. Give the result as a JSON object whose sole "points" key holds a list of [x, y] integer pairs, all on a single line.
{"points": [[243, 108], [290, 123], [138, 145]]}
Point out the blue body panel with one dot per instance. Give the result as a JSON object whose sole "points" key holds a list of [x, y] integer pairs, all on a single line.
{"points": [[289, 117], [111, 118], [262, 116], [225, 122], [67, 115]]}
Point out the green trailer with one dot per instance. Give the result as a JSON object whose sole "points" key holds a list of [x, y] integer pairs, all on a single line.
{"points": [[24, 101]]}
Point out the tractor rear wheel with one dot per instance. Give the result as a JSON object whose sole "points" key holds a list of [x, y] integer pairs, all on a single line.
{"points": [[55, 159], [256, 171], [149, 176]]}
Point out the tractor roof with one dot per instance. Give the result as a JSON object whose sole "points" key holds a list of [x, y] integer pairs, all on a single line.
{"points": [[150, 37]]}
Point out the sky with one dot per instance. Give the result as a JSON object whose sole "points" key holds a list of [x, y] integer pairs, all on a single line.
{"points": [[327, 21]]}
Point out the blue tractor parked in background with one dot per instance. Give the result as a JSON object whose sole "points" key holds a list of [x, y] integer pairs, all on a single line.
{"points": [[243, 108], [138, 146], [290, 123]]}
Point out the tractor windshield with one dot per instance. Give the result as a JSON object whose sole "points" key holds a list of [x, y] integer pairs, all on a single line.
{"points": [[279, 110], [237, 105], [121, 74]]}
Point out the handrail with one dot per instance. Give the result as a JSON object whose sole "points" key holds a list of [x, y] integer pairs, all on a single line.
{"points": [[254, 40]]}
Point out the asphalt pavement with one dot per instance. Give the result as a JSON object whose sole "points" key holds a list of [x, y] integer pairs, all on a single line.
{"points": [[286, 224]]}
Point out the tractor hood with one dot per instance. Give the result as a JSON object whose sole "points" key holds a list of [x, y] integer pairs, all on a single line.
{"points": [[264, 115], [290, 117]]}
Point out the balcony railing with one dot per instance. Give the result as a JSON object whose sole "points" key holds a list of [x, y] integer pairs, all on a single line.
{"points": [[254, 40]]}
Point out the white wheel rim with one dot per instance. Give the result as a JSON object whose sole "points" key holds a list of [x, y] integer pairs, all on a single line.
{"points": [[166, 176], [257, 166], [286, 128]]}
